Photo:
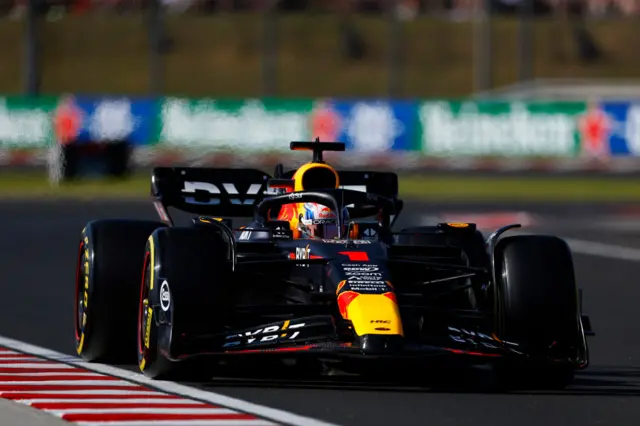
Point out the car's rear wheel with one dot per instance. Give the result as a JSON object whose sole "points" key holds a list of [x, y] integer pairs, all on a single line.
{"points": [[183, 294], [106, 293], [537, 300]]}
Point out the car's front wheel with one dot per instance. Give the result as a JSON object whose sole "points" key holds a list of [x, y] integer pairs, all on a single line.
{"points": [[538, 309], [183, 294]]}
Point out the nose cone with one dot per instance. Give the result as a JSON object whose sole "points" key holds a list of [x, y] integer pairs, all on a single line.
{"points": [[381, 344]]}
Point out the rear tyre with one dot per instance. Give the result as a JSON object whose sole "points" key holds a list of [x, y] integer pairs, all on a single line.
{"points": [[107, 284], [537, 302], [184, 291]]}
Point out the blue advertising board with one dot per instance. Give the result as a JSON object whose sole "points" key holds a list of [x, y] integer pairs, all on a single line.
{"points": [[623, 127], [373, 126], [112, 119]]}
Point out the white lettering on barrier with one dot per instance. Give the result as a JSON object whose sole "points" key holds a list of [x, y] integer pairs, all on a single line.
{"points": [[516, 132], [205, 123]]}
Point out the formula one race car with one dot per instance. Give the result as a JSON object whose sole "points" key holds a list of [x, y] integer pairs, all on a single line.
{"points": [[317, 273]]}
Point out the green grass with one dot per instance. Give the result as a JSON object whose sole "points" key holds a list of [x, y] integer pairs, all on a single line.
{"points": [[432, 188]]}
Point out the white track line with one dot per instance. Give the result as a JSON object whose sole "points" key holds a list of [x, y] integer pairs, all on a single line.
{"points": [[604, 250], [173, 388]]}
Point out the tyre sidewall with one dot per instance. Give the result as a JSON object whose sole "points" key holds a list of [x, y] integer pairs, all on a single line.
{"points": [[108, 274], [194, 291]]}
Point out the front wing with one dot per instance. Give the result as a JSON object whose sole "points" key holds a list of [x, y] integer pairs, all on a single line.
{"points": [[319, 336]]}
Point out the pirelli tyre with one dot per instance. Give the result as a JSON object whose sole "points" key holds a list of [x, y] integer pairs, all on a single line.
{"points": [[538, 308], [184, 291], [108, 273]]}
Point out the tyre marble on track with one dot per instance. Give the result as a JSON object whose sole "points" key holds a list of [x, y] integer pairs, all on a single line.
{"points": [[37, 259]]}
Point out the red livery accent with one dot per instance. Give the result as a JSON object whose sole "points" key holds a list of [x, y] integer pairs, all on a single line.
{"points": [[344, 300], [356, 256], [292, 349], [463, 352], [391, 296]]}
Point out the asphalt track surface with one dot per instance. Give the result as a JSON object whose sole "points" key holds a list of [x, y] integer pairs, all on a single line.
{"points": [[38, 243]]}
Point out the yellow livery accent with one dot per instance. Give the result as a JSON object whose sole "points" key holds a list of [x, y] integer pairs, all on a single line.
{"points": [[374, 314], [81, 344], [458, 225], [147, 331], [297, 177], [152, 261]]}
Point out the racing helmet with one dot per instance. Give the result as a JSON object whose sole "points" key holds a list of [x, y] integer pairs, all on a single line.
{"points": [[319, 221]]}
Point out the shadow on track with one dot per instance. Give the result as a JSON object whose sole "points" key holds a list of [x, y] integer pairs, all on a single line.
{"points": [[601, 381]]}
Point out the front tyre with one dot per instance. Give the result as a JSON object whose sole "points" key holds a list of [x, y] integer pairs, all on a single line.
{"points": [[184, 290], [538, 308]]}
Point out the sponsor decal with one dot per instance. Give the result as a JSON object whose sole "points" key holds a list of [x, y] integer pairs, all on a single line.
{"points": [[227, 124], [303, 253], [245, 235], [280, 233], [25, 122], [165, 296], [85, 292], [380, 321], [347, 241], [147, 329], [365, 278], [267, 334], [594, 127], [295, 196], [190, 187], [368, 286], [365, 267], [476, 339], [369, 232], [325, 122], [318, 221], [500, 128]]}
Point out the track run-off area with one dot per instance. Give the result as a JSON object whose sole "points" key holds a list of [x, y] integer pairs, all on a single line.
{"points": [[37, 261]]}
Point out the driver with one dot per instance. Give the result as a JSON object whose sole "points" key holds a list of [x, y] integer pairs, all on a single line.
{"points": [[313, 220]]}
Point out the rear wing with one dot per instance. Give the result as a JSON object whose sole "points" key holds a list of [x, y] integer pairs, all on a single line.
{"points": [[207, 191]]}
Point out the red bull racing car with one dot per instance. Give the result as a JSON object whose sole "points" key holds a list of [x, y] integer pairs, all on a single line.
{"points": [[317, 272]]}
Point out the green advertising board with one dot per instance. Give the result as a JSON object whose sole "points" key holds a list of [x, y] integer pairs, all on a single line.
{"points": [[26, 123], [230, 124], [501, 128]]}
